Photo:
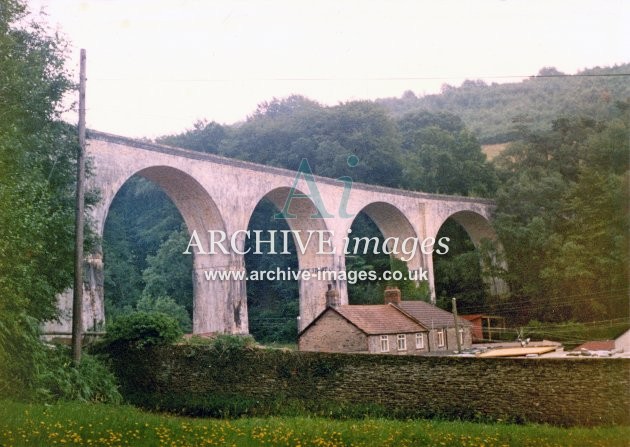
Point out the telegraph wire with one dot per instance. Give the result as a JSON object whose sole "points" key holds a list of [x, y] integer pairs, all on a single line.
{"points": [[538, 304], [330, 79]]}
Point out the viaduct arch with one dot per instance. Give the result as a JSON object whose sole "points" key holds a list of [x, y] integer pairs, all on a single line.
{"points": [[218, 193]]}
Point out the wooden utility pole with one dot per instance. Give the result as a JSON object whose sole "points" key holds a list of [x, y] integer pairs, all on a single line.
{"points": [[77, 296], [459, 343]]}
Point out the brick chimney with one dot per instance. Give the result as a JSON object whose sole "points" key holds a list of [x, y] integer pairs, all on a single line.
{"points": [[392, 295], [332, 297]]}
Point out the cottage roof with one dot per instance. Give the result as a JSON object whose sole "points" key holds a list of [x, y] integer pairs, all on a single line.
{"points": [[375, 319], [430, 316]]}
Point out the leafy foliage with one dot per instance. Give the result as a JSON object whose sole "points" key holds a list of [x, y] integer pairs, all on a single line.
{"points": [[20, 352], [410, 291], [494, 112], [91, 381], [167, 306], [141, 329], [273, 306], [325, 136], [203, 137], [224, 343], [169, 273], [373, 291], [563, 217], [442, 156], [458, 272], [142, 245], [36, 168], [37, 153], [366, 292]]}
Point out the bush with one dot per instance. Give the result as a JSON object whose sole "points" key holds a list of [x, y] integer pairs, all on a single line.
{"points": [[142, 329], [57, 379], [224, 343], [21, 353], [33, 371], [168, 306]]}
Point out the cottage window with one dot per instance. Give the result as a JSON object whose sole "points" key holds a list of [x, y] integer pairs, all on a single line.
{"points": [[440, 336], [419, 341], [401, 340], [384, 343]]}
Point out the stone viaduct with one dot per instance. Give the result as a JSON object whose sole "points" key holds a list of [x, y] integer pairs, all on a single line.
{"points": [[217, 193]]}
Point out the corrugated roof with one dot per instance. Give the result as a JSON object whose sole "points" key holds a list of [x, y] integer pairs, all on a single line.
{"points": [[429, 315], [374, 319]]}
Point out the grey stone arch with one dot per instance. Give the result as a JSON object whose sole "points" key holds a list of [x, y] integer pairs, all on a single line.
{"points": [[312, 292], [479, 229], [393, 224], [216, 304]]}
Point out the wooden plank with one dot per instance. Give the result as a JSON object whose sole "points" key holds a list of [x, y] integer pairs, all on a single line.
{"points": [[516, 352]]}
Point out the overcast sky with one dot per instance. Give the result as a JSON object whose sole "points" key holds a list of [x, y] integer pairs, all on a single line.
{"points": [[156, 66]]}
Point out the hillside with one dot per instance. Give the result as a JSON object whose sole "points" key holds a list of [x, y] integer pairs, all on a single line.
{"points": [[492, 111]]}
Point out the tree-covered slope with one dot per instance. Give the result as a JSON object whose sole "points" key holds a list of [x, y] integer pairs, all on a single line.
{"points": [[493, 111]]}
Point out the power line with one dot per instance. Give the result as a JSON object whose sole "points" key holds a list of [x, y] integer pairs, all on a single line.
{"points": [[550, 303], [538, 304], [350, 79], [603, 292]]}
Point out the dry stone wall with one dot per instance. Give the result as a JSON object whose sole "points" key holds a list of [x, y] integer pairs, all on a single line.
{"points": [[200, 380]]}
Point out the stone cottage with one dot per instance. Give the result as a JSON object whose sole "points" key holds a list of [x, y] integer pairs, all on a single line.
{"points": [[396, 327], [375, 328], [440, 324]]}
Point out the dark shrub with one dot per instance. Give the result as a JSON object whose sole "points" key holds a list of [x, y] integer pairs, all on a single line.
{"points": [[57, 379], [141, 329]]}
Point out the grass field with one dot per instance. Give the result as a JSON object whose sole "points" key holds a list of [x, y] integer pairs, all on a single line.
{"points": [[107, 425]]}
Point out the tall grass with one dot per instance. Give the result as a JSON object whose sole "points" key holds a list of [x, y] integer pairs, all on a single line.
{"points": [[114, 425]]}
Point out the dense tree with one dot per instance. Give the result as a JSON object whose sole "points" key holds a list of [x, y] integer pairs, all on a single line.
{"points": [[167, 306], [443, 157], [283, 132], [285, 107], [37, 153], [362, 129], [458, 272], [563, 217], [203, 137], [169, 273], [273, 306], [366, 292], [490, 111], [141, 248]]}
